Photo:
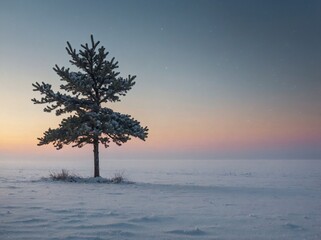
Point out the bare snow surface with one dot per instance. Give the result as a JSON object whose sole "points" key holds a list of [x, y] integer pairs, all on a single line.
{"points": [[219, 203]]}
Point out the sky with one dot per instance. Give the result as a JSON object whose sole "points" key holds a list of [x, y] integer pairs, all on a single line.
{"points": [[215, 79]]}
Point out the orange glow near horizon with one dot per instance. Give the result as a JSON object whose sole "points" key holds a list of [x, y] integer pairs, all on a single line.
{"points": [[226, 130]]}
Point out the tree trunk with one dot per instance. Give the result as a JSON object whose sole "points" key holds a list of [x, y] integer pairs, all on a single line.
{"points": [[96, 158]]}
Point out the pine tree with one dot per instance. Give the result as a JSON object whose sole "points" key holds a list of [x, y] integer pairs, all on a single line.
{"points": [[89, 122]]}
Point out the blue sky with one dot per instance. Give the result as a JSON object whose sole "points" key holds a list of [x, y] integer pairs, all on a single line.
{"points": [[215, 79]]}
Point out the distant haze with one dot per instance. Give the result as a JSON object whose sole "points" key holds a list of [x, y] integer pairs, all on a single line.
{"points": [[215, 79]]}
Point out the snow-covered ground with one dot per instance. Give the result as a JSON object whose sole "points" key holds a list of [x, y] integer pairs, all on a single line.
{"points": [[211, 200]]}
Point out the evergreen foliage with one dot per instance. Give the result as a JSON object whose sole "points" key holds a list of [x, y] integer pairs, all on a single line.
{"points": [[82, 96]]}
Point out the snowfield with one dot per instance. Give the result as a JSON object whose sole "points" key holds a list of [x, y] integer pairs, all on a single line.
{"points": [[253, 202]]}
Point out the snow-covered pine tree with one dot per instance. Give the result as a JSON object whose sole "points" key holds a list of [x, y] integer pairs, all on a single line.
{"points": [[89, 122]]}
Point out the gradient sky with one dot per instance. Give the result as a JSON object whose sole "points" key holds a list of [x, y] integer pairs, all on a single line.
{"points": [[215, 79]]}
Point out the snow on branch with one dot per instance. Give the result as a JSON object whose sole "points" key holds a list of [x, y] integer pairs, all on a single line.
{"points": [[106, 124], [62, 103], [95, 83]]}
